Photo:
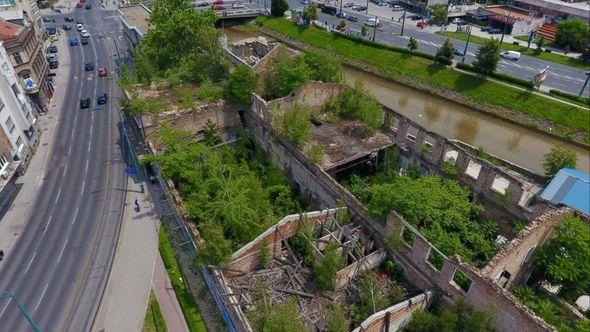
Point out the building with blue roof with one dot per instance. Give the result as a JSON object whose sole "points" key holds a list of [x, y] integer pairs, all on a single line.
{"points": [[569, 187]]}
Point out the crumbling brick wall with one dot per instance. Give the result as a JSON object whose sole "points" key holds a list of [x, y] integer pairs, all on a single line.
{"points": [[395, 317], [512, 264]]}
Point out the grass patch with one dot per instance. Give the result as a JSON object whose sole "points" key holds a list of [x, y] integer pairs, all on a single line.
{"points": [[480, 90], [553, 57], [154, 320], [185, 298]]}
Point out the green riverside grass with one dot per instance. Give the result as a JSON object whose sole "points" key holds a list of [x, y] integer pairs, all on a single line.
{"points": [[479, 89], [154, 319]]}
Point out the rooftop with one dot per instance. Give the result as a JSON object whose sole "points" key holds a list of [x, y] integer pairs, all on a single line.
{"points": [[9, 30], [135, 16], [515, 13], [570, 187]]}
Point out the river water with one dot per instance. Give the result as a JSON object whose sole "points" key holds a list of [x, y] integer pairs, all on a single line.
{"points": [[516, 144]]}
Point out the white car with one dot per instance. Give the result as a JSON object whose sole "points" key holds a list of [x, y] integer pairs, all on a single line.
{"points": [[84, 34], [372, 22], [510, 55], [397, 8], [54, 37], [79, 27], [237, 6]]}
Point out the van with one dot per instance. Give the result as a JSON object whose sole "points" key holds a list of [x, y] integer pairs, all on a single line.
{"points": [[372, 22], [510, 55]]}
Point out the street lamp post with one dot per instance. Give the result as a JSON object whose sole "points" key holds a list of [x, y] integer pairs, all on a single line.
{"points": [[10, 296], [341, 1], [375, 28], [504, 29], [367, 9], [465, 50], [585, 83], [403, 21]]}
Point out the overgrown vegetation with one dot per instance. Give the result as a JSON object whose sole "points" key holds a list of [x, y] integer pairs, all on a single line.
{"points": [[185, 299], [270, 316], [460, 318], [232, 193], [557, 159], [439, 207], [395, 65], [154, 320], [374, 293], [325, 271]]}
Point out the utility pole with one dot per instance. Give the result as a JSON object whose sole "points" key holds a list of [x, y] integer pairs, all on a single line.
{"points": [[585, 83], [367, 9], [10, 296], [375, 28], [341, 1], [403, 21], [465, 50], [504, 30]]}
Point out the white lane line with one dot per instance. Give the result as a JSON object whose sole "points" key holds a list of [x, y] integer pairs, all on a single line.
{"points": [[75, 217], [41, 298], [30, 262], [58, 193], [62, 250], [470, 53], [91, 125], [86, 170], [6, 306], [90, 141], [65, 168], [69, 150], [48, 223], [83, 185]]}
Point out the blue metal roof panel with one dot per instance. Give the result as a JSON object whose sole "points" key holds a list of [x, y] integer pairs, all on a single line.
{"points": [[579, 197], [554, 186], [569, 187]]}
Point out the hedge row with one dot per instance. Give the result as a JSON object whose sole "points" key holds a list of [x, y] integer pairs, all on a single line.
{"points": [[383, 46], [502, 77], [578, 99]]}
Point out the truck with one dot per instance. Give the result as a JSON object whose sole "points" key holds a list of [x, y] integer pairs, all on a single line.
{"points": [[330, 10]]}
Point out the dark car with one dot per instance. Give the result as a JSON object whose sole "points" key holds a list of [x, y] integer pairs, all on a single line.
{"points": [[203, 4], [84, 40], [51, 30], [66, 27], [341, 15], [85, 103], [46, 19], [494, 30], [88, 66], [352, 18], [69, 19], [57, 11], [88, 6], [53, 49], [458, 52], [53, 64], [102, 98]]}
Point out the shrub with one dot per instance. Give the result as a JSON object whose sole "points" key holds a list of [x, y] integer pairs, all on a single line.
{"points": [[209, 92], [325, 271], [278, 7], [557, 159], [572, 33], [578, 99], [444, 55], [242, 82], [294, 124]]}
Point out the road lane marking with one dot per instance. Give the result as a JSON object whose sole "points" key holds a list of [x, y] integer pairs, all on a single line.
{"points": [[66, 168], [42, 294], [83, 185], [90, 141], [48, 223], [75, 216], [62, 250], [86, 170], [30, 262], [69, 150], [58, 193], [6, 306]]}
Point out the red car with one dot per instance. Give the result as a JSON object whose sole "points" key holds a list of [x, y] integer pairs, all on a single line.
{"points": [[82, 0], [219, 7], [102, 72], [218, 2], [79, 5]]}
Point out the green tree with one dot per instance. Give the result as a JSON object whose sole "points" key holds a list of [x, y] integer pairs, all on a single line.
{"points": [[310, 13], [241, 83], [322, 68], [215, 248], [460, 318], [572, 33], [341, 25], [325, 271], [336, 318], [211, 133], [444, 55], [285, 75], [439, 13], [487, 56], [278, 7], [413, 44], [357, 103], [565, 260], [585, 56], [269, 316], [557, 159], [364, 30], [294, 123]]}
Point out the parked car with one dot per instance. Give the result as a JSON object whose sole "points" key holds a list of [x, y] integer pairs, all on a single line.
{"points": [[341, 15], [69, 19], [85, 103], [361, 8], [492, 31], [73, 41], [352, 18], [372, 22], [88, 6], [458, 52], [79, 27], [203, 4], [54, 37], [57, 11], [349, 5], [53, 49], [51, 30], [102, 72], [84, 40], [88, 66], [416, 17], [46, 19], [397, 8], [66, 27], [84, 34], [78, 5], [53, 64], [52, 57], [218, 7], [102, 98], [237, 5], [510, 55]]}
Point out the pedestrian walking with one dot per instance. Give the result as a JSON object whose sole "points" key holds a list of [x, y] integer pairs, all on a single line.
{"points": [[137, 205]]}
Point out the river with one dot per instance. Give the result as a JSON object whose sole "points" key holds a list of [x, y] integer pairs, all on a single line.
{"points": [[514, 143]]}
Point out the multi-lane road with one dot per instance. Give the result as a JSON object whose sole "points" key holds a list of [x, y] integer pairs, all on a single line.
{"points": [[59, 265]]}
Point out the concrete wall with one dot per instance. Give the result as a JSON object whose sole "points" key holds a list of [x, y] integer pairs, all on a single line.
{"points": [[395, 317], [511, 264], [324, 191], [369, 262]]}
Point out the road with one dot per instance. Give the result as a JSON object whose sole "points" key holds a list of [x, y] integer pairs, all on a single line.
{"points": [[60, 263], [560, 77]]}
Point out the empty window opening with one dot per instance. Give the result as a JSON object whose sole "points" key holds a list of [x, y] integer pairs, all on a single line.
{"points": [[473, 169]]}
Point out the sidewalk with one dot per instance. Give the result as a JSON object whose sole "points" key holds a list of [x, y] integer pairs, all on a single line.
{"points": [[167, 298], [16, 216], [128, 288]]}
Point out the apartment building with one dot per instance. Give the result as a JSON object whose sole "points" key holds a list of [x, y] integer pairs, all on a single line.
{"points": [[26, 54], [22, 12]]}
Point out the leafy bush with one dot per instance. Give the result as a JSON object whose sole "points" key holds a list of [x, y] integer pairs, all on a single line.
{"points": [[558, 158], [209, 92], [271, 316], [575, 98], [444, 55], [325, 271], [460, 318], [294, 123], [241, 83], [573, 34], [356, 103], [488, 56], [316, 153]]}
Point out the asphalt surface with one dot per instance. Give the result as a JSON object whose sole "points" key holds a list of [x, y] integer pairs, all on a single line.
{"points": [[560, 77], [58, 267]]}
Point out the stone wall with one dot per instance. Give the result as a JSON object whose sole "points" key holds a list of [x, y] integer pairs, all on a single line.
{"points": [[324, 191], [511, 264], [395, 317]]}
